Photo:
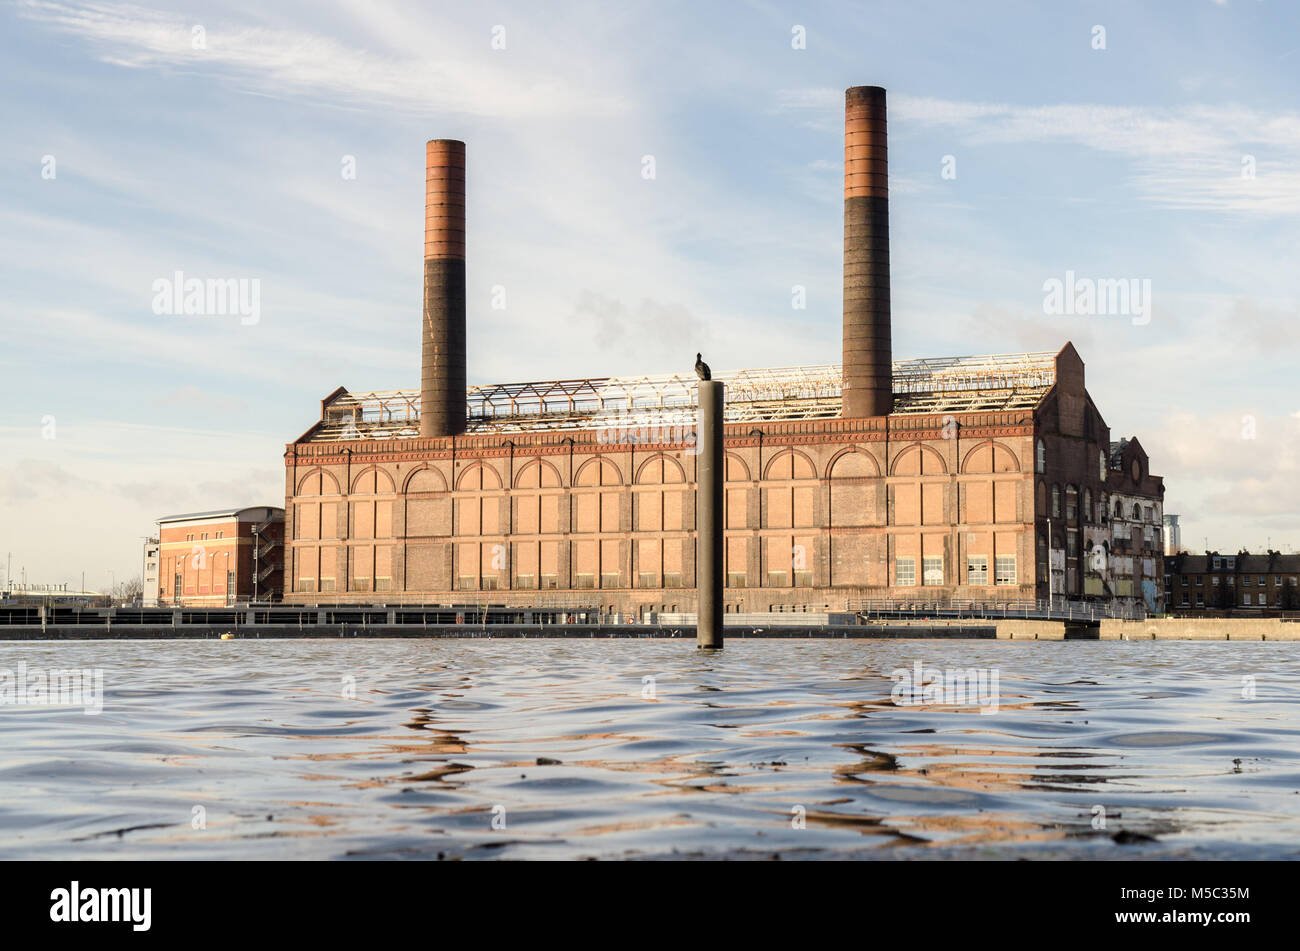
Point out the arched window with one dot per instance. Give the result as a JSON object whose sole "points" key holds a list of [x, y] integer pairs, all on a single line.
{"points": [[1071, 503], [1087, 505], [1137, 512], [1056, 501], [1119, 509], [1040, 458]]}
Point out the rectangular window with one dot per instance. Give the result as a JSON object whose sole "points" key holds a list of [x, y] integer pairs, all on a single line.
{"points": [[1214, 579], [735, 579], [1232, 562], [383, 584], [1245, 600], [1216, 564], [905, 571], [1200, 600], [1277, 581], [1185, 599], [327, 584], [1004, 569], [609, 579], [977, 569], [1262, 581], [525, 582], [672, 579], [489, 582], [1261, 599], [550, 581], [803, 579], [776, 579], [230, 582], [646, 579], [1245, 580], [931, 570], [466, 582]]}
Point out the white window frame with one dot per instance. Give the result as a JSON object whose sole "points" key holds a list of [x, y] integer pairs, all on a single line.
{"points": [[908, 562]]}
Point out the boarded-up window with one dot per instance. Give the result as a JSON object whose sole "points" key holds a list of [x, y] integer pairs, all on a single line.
{"points": [[907, 504], [428, 517], [779, 510], [550, 514], [737, 504], [329, 559], [609, 512], [673, 511], [1005, 501], [932, 504], [610, 566], [363, 565], [308, 519], [648, 565], [491, 515], [650, 512], [586, 512], [363, 519], [527, 511], [737, 555]]}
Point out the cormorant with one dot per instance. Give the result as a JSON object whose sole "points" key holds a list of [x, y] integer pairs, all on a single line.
{"points": [[702, 368]]}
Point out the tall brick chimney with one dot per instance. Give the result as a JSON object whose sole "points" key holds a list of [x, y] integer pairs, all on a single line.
{"points": [[442, 357], [868, 357]]}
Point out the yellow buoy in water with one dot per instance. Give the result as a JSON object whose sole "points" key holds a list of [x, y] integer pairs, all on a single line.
{"points": [[226, 637]]}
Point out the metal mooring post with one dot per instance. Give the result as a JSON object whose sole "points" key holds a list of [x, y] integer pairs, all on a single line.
{"points": [[709, 474]]}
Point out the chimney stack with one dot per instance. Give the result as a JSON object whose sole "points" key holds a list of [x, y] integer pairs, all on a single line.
{"points": [[442, 366], [868, 358]]}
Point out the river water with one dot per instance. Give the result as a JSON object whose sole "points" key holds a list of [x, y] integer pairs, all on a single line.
{"points": [[647, 748]]}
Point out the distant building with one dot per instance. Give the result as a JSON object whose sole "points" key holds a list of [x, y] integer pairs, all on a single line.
{"points": [[149, 574], [1132, 571], [210, 559], [1173, 535], [1243, 583]]}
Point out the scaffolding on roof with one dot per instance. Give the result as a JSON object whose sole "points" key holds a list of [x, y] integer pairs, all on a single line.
{"points": [[993, 382]]}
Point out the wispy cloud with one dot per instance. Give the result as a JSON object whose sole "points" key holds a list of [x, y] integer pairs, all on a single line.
{"points": [[1211, 158], [281, 62]]}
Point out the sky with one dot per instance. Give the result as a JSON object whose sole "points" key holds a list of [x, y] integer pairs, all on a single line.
{"points": [[284, 143]]}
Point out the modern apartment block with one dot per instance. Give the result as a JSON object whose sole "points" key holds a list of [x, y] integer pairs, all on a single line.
{"points": [[228, 556]]}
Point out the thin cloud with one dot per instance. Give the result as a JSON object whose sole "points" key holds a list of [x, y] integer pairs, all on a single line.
{"points": [[294, 62], [1202, 158]]}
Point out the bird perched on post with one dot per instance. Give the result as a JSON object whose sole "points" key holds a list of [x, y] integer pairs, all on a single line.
{"points": [[702, 368]]}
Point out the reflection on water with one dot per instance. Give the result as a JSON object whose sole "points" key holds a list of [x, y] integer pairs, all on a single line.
{"points": [[565, 749]]}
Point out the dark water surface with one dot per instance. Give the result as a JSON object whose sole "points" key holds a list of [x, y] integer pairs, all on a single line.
{"points": [[731, 756]]}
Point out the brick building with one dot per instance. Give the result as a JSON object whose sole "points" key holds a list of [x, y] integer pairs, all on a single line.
{"points": [[211, 559], [919, 479], [1243, 583]]}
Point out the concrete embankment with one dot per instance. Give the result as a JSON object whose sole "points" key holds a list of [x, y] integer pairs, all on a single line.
{"points": [[884, 629], [1201, 629]]}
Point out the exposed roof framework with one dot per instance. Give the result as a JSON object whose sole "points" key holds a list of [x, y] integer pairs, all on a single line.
{"points": [[932, 385]]}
